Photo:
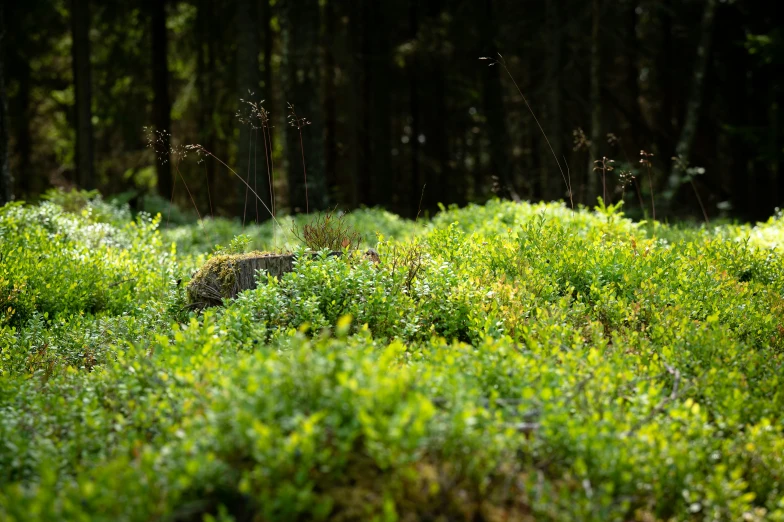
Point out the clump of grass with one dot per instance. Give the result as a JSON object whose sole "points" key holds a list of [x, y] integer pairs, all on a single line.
{"points": [[328, 231]]}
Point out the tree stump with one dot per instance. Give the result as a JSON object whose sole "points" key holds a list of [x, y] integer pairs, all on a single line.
{"points": [[225, 276]]}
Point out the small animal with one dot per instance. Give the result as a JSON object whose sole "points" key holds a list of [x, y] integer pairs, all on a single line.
{"points": [[372, 255]]}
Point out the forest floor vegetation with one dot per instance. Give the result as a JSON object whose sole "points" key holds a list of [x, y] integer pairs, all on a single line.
{"points": [[505, 361]]}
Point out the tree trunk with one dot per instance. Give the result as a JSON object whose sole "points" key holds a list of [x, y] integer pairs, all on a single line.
{"points": [[268, 95], [593, 186], [776, 123], [691, 119], [551, 175], [247, 91], [366, 177], [330, 98], [204, 71], [500, 145], [6, 181], [19, 111], [266, 27], [415, 183], [438, 176], [161, 103], [380, 60], [665, 81], [526, 179], [80, 27], [355, 106], [632, 71], [301, 29]]}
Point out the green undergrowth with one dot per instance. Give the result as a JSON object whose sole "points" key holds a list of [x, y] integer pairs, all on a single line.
{"points": [[501, 362], [200, 237]]}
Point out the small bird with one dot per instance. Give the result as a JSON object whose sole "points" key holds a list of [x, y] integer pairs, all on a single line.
{"points": [[372, 255]]}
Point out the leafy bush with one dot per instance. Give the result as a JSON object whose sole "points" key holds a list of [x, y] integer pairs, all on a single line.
{"points": [[502, 362], [53, 262]]}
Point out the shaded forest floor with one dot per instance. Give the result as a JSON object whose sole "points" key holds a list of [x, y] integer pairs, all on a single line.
{"points": [[501, 362]]}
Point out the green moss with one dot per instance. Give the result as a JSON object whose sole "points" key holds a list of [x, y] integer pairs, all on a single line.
{"points": [[217, 279]]}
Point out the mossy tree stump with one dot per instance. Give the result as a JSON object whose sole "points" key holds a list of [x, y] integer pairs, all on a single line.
{"points": [[225, 276]]}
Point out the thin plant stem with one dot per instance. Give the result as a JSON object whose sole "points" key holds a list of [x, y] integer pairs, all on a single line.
{"points": [[500, 61], [272, 171], [639, 197], [421, 197], [216, 158], [569, 185], [273, 202], [304, 171], [171, 201], [209, 197], [267, 158], [699, 200], [650, 183], [247, 186], [298, 122], [255, 165], [195, 207]]}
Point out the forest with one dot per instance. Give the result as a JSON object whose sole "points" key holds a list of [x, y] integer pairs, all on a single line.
{"points": [[391, 261], [401, 112]]}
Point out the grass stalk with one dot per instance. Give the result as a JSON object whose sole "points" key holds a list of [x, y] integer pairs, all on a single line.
{"points": [[567, 179]]}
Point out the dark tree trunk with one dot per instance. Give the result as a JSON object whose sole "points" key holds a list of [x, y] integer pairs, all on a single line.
{"points": [[551, 175], [438, 173], [80, 27], [6, 181], [330, 100], [205, 69], [664, 72], [766, 168], [593, 186], [356, 106], [737, 112], [19, 111], [526, 179], [436, 122], [416, 189], [161, 103], [694, 103], [301, 29], [266, 27], [500, 144], [379, 62], [247, 91], [777, 127], [632, 69], [268, 95], [366, 174]]}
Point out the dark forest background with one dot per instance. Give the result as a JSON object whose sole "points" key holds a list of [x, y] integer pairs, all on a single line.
{"points": [[402, 112]]}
